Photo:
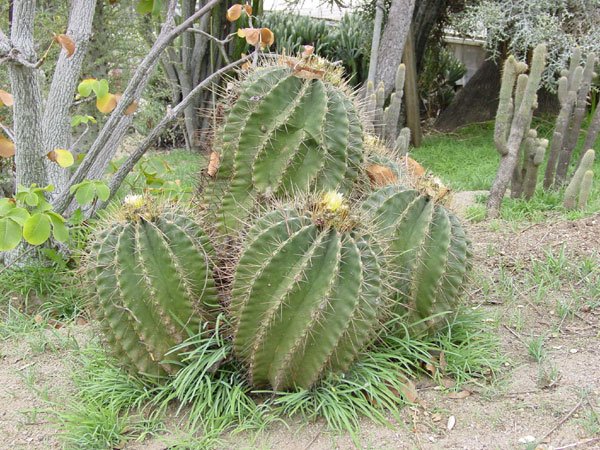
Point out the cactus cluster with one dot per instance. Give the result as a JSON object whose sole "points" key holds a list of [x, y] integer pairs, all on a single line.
{"points": [[152, 268], [306, 284], [573, 88], [290, 131]]}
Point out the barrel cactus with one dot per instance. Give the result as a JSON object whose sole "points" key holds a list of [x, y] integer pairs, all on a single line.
{"points": [[293, 128], [429, 252], [152, 271], [307, 294]]}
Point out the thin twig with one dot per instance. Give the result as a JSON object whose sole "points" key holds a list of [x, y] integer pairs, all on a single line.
{"points": [[8, 132], [513, 332], [562, 421], [26, 252], [577, 444]]}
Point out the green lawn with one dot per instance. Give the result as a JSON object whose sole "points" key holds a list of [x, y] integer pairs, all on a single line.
{"points": [[467, 160]]}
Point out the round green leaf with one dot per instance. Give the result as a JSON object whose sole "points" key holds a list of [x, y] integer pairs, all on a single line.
{"points": [[85, 87], [59, 229], [10, 234], [36, 229], [102, 191], [5, 206], [19, 215], [85, 194], [32, 199]]}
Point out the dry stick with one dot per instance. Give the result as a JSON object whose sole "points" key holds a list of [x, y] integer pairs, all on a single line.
{"points": [[169, 117], [562, 421], [577, 444], [167, 35]]}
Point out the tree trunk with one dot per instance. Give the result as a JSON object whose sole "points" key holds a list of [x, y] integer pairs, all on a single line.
{"points": [[392, 41], [476, 102], [411, 93], [27, 109], [377, 23], [426, 15], [56, 124]]}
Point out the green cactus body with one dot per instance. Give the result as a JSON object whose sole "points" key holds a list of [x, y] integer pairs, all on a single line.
{"points": [[285, 134], [429, 252], [153, 278], [305, 299]]}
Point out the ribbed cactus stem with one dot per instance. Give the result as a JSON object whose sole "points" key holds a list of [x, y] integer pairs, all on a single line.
{"points": [[574, 187], [378, 116], [585, 189], [306, 298], [568, 86], [402, 142], [534, 156], [152, 268], [429, 252], [392, 112], [510, 132], [572, 132], [283, 135], [370, 105], [505, 110]]}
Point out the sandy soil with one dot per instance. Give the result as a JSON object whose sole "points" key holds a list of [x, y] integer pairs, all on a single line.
{"points": [[521, 407]]}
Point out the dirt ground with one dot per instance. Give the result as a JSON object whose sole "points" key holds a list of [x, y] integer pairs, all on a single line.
{"points": [[556, 399]]}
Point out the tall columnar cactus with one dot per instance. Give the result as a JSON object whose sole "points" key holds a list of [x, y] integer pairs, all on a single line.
{"points": [[307, 295], [525, 175], [290, 130], [429, 252], [574, 189], [513, 119], [573, 89], [152, 270], [391, 115], [585, 189]]}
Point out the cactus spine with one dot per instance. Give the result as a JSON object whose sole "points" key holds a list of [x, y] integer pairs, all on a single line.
{"points": [[429, 252], [574, 189], [305, 298], [285, 134], [151, 266]]}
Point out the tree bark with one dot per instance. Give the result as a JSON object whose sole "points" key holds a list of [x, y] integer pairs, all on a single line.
{"points": [[392, 41], [426, 15], [56, 124], [411, 93], [27, 109], [377, 23]]}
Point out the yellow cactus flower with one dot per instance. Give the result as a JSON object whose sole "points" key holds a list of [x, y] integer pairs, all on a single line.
{"points": [[333, 200]]}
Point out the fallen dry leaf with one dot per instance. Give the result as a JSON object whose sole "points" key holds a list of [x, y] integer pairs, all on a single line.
{"points": [[431, 368], [409, 391], [80, 321], [381, 175], [308, 50], [66, 43], [213, 164], [459, 395], [443, 362], [451, 423]]}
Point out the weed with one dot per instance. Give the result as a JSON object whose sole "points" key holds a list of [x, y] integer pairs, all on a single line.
{"points": [[535, 348], [475, 213]]}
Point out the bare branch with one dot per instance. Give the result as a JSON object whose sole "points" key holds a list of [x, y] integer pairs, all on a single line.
{"points": [[168, 118], [8, 131], [136, 85]]}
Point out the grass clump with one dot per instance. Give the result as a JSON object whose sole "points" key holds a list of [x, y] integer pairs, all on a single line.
{"points": [[211, 395]]}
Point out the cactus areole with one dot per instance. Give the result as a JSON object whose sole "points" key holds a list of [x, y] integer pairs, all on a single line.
{"points": [[286, 133], [306, 295], [151, 265]]}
